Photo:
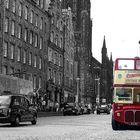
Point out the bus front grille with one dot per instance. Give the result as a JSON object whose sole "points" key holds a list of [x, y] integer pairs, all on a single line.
{"points": [[132, 116], [129, 116], [137, 116]]}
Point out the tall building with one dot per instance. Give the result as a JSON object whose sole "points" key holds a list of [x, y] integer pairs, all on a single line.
{"points": [[24, 31], [106, 75], [69, 44], [55, 79], [83, 34]]}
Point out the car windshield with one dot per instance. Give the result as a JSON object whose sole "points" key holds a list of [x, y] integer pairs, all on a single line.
{"points": [[5, 100], [123, 95]]}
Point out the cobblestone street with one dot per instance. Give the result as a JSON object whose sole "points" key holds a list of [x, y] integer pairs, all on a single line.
{"points": [[83, 127]]}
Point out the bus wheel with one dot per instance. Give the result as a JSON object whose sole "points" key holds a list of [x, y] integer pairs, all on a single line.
{"points": [[114, 125]]}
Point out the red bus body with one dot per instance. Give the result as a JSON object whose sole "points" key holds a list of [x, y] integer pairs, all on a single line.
{"points": [[126, 99]]}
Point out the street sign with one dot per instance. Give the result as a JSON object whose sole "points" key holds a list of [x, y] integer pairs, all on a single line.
{"points": [[97, 100]]}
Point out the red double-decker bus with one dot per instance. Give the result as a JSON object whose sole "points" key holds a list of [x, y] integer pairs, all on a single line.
{"points": [[126, 98]]}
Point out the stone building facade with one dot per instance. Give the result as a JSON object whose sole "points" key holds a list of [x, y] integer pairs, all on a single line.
{"points": [[23, 37], [83, 33], [55, 70], [69, 44]]}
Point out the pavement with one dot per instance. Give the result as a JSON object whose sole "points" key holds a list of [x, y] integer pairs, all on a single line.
{"points": [[49, 114]]}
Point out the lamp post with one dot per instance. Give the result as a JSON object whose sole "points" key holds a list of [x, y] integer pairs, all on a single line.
{"points": [[77, 95], [98, 91]]}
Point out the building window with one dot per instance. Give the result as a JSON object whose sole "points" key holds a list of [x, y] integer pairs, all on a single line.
{"points": [[24, 56], [18, 54], [35, 61], [13, 28], [40, 63], [52, 20], [31, 16], [45, 27], [41, 23], [36, 20], [5, 49], [40, 82], [55, 58], [41, 43], [7, 4], [56, 40], [61, 26], [19, 31], [30, 58], [61, 42], [54, 77], [6, 25], [50, 54], [36, 40], [34, 82], [71, 68], [57, 22], [25, 34], [26, 13], [41, 3], [52, 36], [14, 6], [12, 51], [20, 9], [49, 74], [31, 37]]}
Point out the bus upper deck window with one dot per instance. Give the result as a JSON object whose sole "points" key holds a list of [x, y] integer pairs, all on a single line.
{"points": [[126, 64], [137, 64]]}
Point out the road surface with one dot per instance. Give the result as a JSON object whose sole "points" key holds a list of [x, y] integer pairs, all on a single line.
{"points": [[82, 127]]}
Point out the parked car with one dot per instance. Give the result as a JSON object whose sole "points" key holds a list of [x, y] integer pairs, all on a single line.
{"points": [[103, 108], [72, 109], [15, 109]]}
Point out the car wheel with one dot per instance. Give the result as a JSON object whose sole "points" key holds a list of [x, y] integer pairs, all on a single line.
{"points": [[16, 122], [108, 112], [34, 120], [98, 112]]}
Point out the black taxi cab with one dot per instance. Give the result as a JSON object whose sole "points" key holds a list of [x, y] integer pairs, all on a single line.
{"points": [[15, 109]]}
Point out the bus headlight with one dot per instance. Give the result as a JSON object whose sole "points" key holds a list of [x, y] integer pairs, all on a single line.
{"points": [[118, 114]]}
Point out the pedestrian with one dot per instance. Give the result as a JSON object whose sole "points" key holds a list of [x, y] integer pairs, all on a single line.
{"points": [[44, 105], [57, 106]]}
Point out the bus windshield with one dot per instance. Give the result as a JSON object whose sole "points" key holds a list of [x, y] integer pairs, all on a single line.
{"points": [[123, 95], [127, 95]]}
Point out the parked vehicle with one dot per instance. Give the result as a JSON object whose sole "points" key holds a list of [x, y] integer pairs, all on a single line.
{"points": [[15, 109], [103, 108], [72, 109]]}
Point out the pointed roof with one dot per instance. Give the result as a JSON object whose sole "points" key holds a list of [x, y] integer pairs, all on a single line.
{"points": [[111, 56], [104, 49]]}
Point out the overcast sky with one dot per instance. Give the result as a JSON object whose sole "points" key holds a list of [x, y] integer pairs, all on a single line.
{"points": [[119, 21]]}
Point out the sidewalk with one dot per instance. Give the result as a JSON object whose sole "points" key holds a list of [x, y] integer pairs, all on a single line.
{"points": [[49, 114]]}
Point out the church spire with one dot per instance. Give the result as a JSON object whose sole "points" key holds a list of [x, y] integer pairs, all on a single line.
{"points": [[104, 49]]}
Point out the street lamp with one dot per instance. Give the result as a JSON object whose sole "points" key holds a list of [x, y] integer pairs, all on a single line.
{"points": [[98, 93], [77, 95]]}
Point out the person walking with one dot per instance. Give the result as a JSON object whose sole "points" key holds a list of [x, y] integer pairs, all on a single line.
{"points": [[57, 106]]}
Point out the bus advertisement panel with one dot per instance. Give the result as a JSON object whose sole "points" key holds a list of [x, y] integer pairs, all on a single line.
{"points": [[126, 98]]}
